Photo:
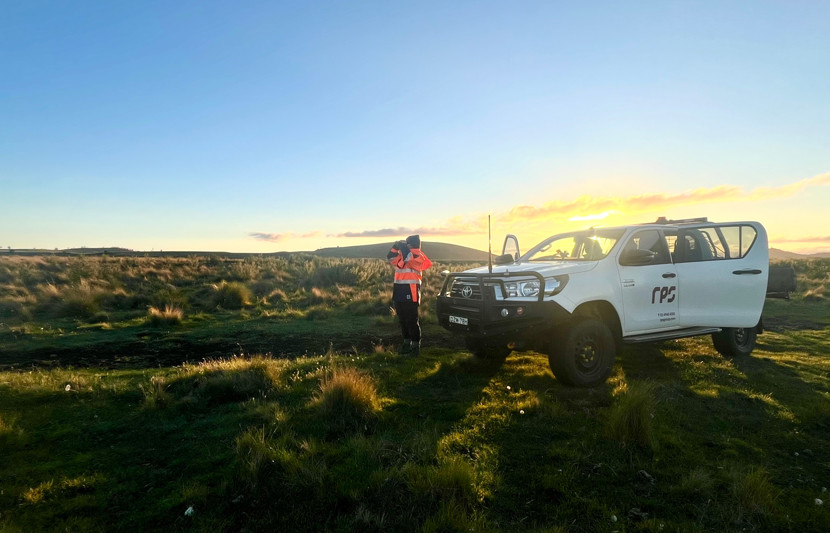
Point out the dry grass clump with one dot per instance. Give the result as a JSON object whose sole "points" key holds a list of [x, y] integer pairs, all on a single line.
{"points": [[169, 316], [816, 294], [155, 393], [232, 295], [228, 380], [630, 418], [348, 399]]}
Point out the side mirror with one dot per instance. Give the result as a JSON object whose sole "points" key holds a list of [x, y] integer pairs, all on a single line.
{"points": [[504, 259], [637, 257]]}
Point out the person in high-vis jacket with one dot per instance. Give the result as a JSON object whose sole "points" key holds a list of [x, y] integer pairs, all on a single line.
{"points": [[409, 261]]}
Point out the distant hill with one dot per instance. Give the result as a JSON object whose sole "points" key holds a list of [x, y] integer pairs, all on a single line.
{"points": [[782, 255], [437, 251]]}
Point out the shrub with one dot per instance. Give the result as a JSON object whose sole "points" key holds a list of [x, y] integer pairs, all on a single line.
{"points": [[348, 399], [233, 295], [169, 316], [630, 418]]}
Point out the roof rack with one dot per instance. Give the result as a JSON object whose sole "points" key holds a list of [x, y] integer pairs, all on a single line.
{"points": [[664, 220]]}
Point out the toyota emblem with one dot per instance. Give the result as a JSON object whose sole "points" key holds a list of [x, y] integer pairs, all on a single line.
{"points": [[467, 291]]}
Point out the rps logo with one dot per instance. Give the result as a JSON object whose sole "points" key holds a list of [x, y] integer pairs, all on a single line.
{"points": [[663, 295]]}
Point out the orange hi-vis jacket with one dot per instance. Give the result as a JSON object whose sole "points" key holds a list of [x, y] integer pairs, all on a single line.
{"points": [[408, 270]]}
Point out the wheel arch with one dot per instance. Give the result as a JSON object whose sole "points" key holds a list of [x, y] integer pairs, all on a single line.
{"points": [[602, 310]]}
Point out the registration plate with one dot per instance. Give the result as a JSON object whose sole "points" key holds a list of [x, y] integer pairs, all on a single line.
{"points": [[458, 320]]}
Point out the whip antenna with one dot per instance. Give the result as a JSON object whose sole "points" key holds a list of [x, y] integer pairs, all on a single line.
{"points": [[489, 247]]}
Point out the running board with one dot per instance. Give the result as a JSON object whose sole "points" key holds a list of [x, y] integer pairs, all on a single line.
{"points": [[668, 335]]}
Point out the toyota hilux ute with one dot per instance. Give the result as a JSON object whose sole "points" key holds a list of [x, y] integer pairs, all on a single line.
{"points": [[580, 296]]}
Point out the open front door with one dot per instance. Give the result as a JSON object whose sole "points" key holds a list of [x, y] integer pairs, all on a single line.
{"points": [[511, 247]]}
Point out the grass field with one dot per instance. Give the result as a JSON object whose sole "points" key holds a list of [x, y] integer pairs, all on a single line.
{"points": [[264, 395]]}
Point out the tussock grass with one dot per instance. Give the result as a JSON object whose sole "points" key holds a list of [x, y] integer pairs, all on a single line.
{"points": [[753, 491], [232, 295], [169, 316], [348, 399], [816, 294], [630, 419], [155, 393], [221, 381]]}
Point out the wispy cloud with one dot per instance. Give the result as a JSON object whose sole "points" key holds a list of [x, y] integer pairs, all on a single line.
{"points": [[820, 240], [277, 237], [592, 208], [599, 216], [455, 226], [583, 208]]}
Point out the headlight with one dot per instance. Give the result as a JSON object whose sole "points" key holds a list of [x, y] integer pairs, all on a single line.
{"points": [[530, 288], [522, 288]]}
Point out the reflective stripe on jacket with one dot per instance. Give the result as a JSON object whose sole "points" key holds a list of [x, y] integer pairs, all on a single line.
{"points": [[408, 273]]}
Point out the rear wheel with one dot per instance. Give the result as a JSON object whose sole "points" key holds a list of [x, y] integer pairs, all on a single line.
{"points": [[484, 349], [733, 342], [583, 354]]}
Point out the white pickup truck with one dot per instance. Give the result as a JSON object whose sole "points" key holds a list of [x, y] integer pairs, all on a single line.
{"points": [[579, 296]]}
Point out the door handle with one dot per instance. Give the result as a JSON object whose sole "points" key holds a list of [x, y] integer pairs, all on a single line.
{"points": [[747, 271], [669, 275]]}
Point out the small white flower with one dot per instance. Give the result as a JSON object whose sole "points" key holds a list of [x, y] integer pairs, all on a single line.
{"points": [[796, 454], [189, 511], [508, 387], [613, 518], [521, 411], [819, 502], [68, 387]]}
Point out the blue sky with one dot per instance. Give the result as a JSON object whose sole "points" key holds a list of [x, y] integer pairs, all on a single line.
{"points": [[266, 126]]}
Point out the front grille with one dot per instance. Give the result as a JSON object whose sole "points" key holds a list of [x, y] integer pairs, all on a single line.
{"points": [[466, 288]]}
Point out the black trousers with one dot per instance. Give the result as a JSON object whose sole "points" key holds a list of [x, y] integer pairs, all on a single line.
{"points": [[408, 317]]}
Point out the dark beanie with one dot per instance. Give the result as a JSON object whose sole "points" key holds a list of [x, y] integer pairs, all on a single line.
{"points": [[413, 241]]}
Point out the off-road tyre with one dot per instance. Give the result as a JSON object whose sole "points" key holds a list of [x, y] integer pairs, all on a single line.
{"points": [[583, 354], [483, 349], [735, 342]]}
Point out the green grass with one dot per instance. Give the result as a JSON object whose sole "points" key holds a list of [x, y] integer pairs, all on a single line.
{"points": [[344, 435], [453, 444]]}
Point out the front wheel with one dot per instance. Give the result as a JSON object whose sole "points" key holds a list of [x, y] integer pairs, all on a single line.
{"points": [[734, 342], [583, 354]]}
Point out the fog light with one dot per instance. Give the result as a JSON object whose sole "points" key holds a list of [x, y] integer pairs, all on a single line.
{"points": [[520, 311], [504, 312]]}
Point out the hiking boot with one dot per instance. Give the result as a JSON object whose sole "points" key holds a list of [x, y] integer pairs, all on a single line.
{"points": [[406, 347], [416, 349]]}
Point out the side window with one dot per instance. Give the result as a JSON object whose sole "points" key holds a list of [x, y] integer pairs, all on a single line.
{"points": [[693, 245], [709, 244], [738, 240], [647, 247]]}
